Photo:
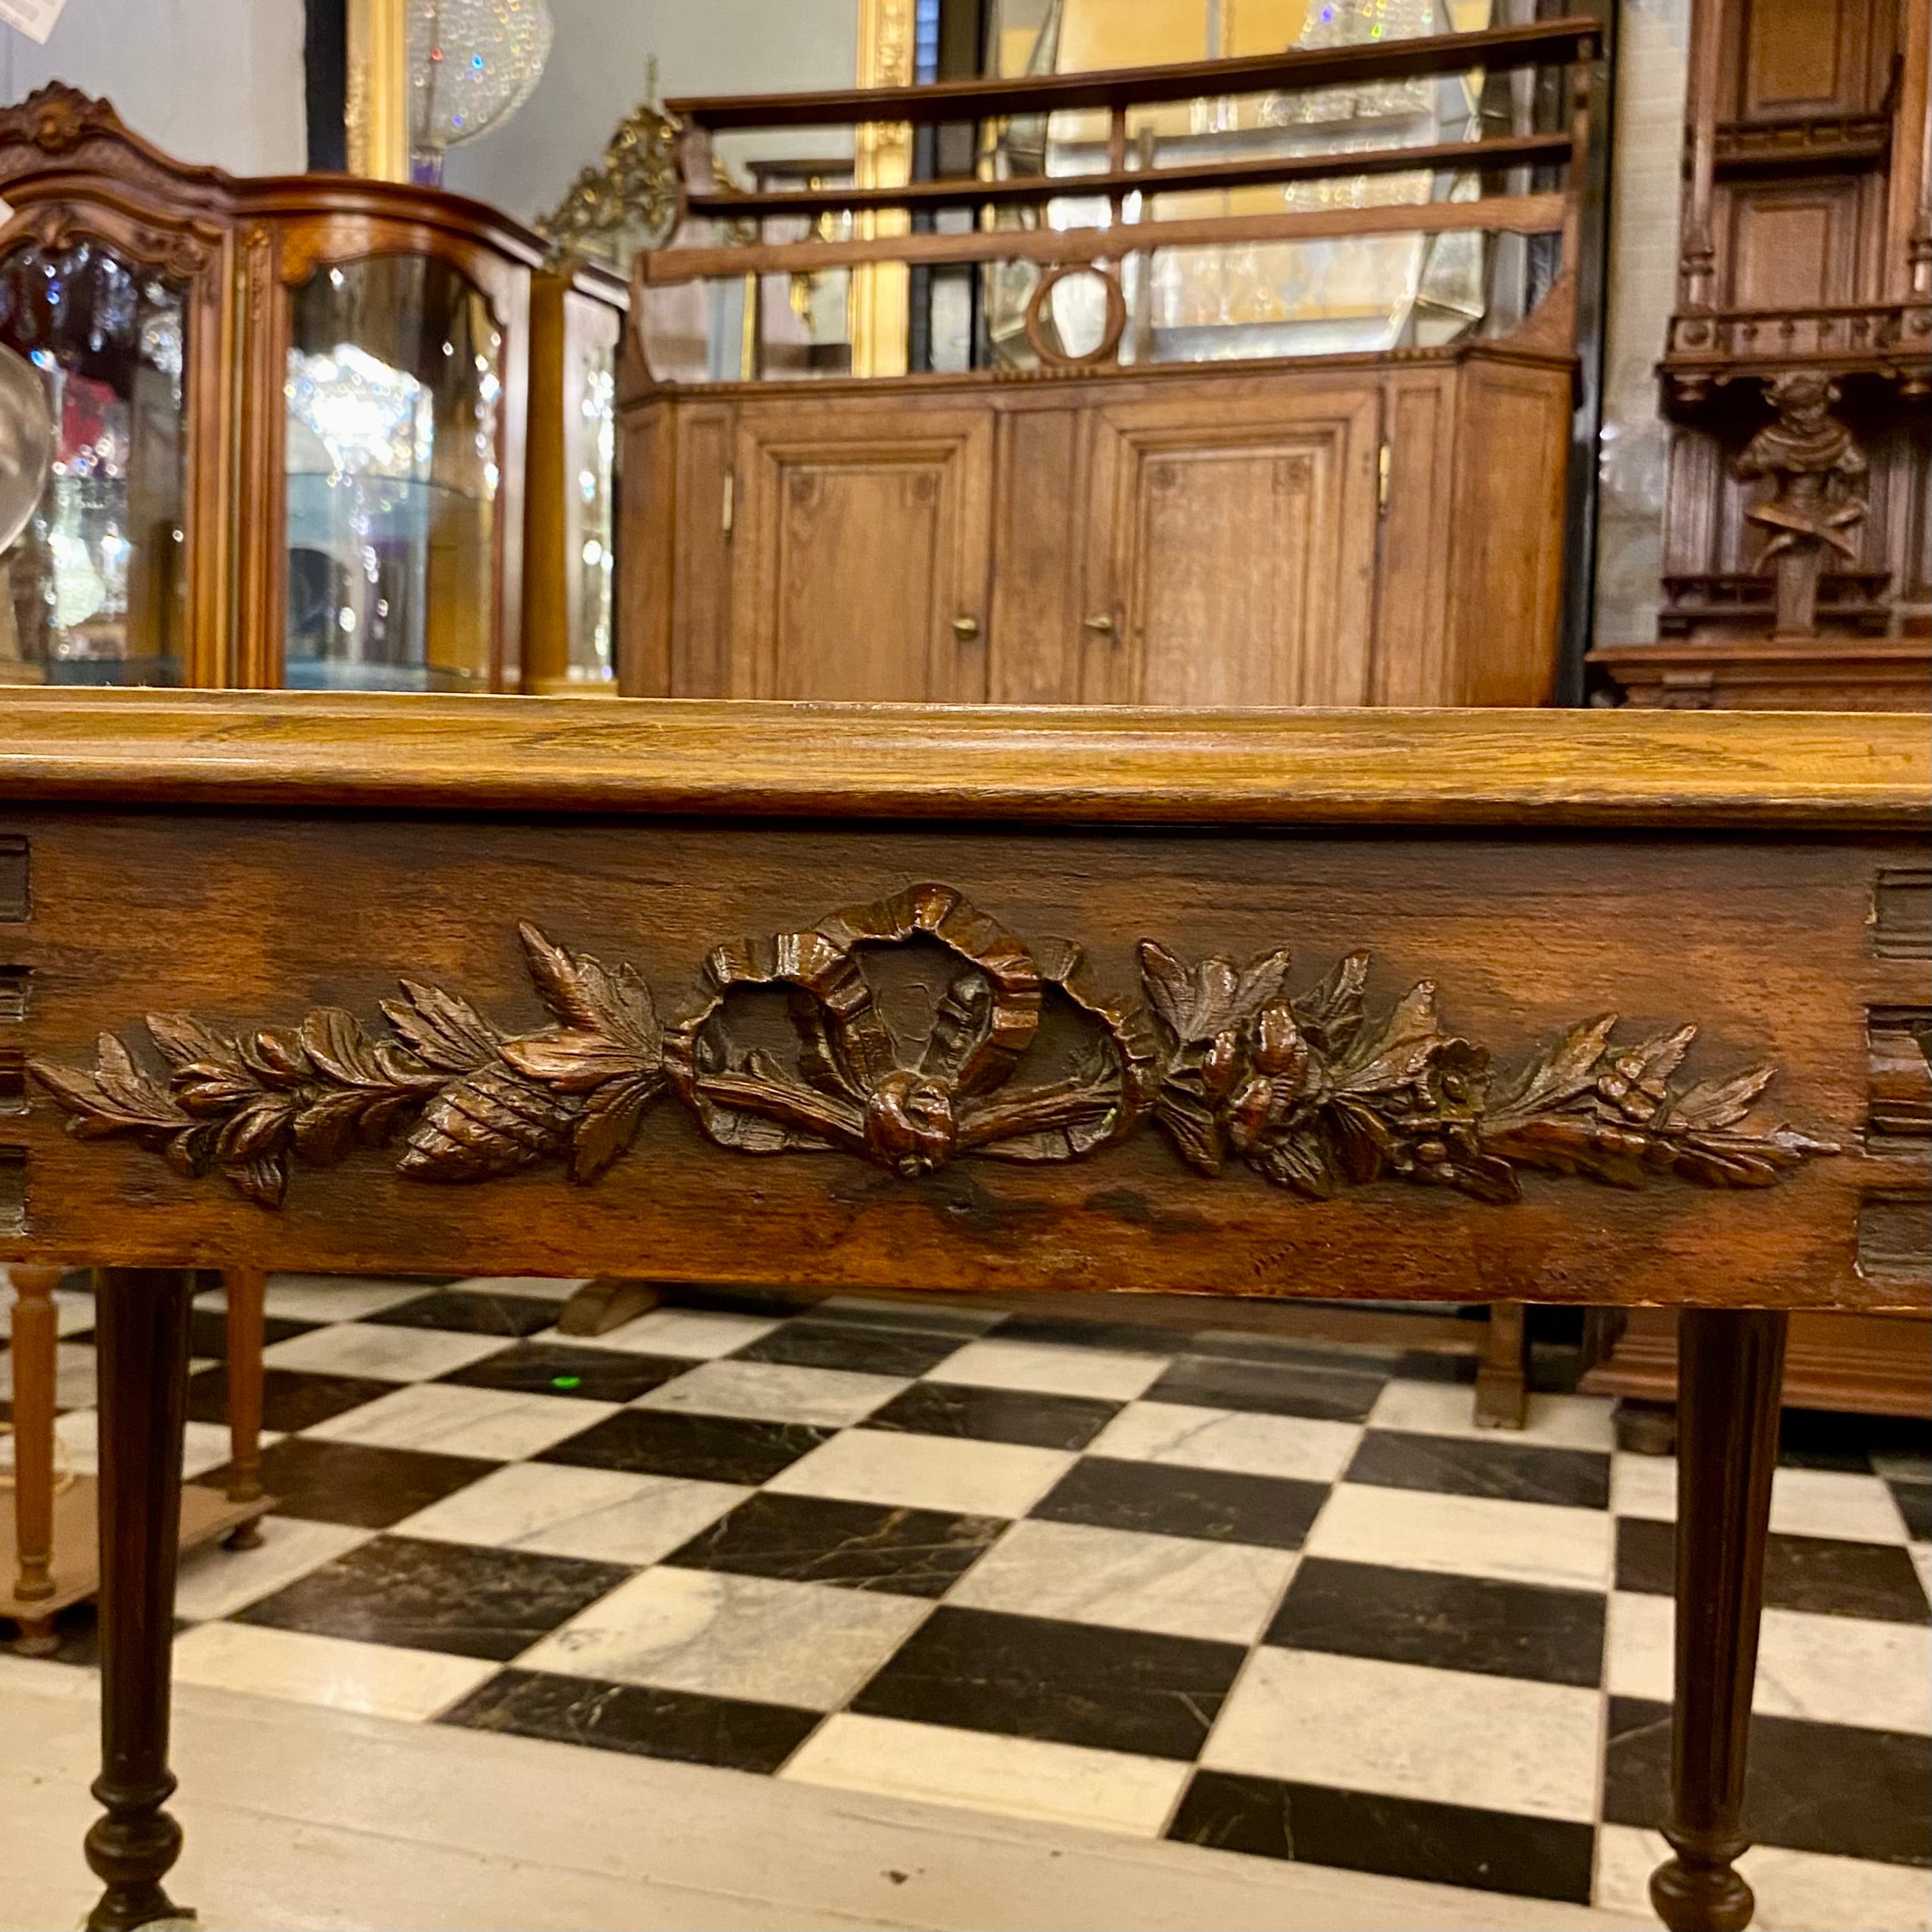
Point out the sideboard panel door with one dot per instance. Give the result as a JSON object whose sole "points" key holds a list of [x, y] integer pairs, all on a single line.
{"points": [[1237, 564], [862, 554]]}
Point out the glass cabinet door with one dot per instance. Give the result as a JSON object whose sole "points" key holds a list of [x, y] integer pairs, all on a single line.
{"points": [[591, 387], [95, 588], [395, 396]]}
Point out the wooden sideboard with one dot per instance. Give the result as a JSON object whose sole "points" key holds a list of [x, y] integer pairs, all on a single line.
{"points": [[1249, 1005], [1368, 530], [1200, 512]]}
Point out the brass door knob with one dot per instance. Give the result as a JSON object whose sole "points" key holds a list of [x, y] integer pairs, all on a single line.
{"points": [[965, 628], [1101, 623]]}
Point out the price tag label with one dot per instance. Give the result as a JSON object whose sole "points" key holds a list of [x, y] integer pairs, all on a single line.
{"points": [[34, 18]]}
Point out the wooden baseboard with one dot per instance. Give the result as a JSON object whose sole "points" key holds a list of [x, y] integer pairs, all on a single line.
{"points": [[1867, 1364]]}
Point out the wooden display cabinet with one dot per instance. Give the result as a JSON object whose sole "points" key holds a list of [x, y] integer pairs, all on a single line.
{"points": [[292, 414], [570, 513]]}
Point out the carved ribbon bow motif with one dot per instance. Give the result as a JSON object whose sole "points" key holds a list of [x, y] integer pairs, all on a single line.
{"points": [[1307, 1089]]}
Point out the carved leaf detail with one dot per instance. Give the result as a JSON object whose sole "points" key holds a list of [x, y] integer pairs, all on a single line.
{"points": [[1312, 1090]]}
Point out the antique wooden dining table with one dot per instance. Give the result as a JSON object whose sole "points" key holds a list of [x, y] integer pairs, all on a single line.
{"points": [[1553, 1007]]}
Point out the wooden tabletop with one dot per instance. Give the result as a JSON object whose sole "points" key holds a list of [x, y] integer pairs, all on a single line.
{"points": [[681, 756]]}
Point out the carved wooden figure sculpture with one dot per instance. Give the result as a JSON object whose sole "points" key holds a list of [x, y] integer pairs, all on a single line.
{"points": [[1817, 499]]}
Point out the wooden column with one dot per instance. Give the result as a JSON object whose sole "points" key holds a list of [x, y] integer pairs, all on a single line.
{"points": [[244, 1290], [142, 1329], [1731, 1372], [34, 1343]]}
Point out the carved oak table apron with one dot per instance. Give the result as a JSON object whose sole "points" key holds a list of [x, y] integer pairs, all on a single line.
{"points": [[1538, 1006]]}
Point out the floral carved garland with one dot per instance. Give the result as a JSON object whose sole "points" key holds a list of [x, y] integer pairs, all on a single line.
{"points": [[1309, 1088]]}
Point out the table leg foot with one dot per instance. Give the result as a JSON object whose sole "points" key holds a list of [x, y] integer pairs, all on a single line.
{"points": [[36, 1637], [142, 1338], [1730, 1376]]}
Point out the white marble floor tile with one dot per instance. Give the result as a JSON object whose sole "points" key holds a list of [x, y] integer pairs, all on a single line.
{"points": [[1455, 1737], [1835, 1502], [537, 1287], [926, 1472], [1473, 1536], [701, 1332], [1223, 1591], [1921, 1562], [1832, 1670], [1047, 1369], [386, 1354], [1803, 1502], [215, 1581], [377, 1679], [74, 1374], [1022, 1777], [802, 1644], [1644, 1486], [1797, 1892], [77, 1445], [605, 1515], [501, 1423], [1444, 1409], [1254, 1443], [831, 1398], [330, 1298]]}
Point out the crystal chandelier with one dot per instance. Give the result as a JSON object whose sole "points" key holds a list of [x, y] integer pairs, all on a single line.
{"points": [[472, 64]]}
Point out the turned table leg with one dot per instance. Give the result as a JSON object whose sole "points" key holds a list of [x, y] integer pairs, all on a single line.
{"points": [[34, 1344], [142, 1321], [244, 1290], [1730, 1372]]}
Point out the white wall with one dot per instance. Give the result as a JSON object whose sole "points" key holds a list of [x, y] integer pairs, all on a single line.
{"points": [[1653, 38], [204, 80], [596, 76]]}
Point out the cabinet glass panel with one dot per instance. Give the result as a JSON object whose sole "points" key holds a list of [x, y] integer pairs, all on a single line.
{"points": [[595, 442], [394, 397], [95, 588]]}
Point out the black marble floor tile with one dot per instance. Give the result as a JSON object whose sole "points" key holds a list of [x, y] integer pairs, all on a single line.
{"points": [[1277, 1388], [207, 1332], [1166, 1500], [1448, 1623], [1401, 1837], [1826, 1574], [560, 1368], [1076, 1332], [291, 1399], [772, 1301], [1816, 1438], [1075, 1684], [1523, 1472], [357, 1483], [911, 1553], [666, 1442], [471, 1311], [922, 1317], [1859, 1793], [814, 1342], [680, 1725], [450, 1596], [1915, 1504], [995, 1414]]}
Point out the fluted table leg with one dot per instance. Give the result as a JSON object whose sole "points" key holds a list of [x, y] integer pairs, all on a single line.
{"points": [[141, 1328], [1730, 1375]]}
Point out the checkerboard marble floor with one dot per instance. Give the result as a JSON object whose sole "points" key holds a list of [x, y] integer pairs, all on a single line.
{"points": [[1280, 1600]]}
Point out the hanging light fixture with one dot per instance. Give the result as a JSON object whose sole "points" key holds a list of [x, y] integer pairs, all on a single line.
{"points": [[472, 64]]}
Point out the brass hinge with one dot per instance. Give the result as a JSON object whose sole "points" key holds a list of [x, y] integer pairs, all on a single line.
{"points": [[1381, 480], [730, 501]]}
